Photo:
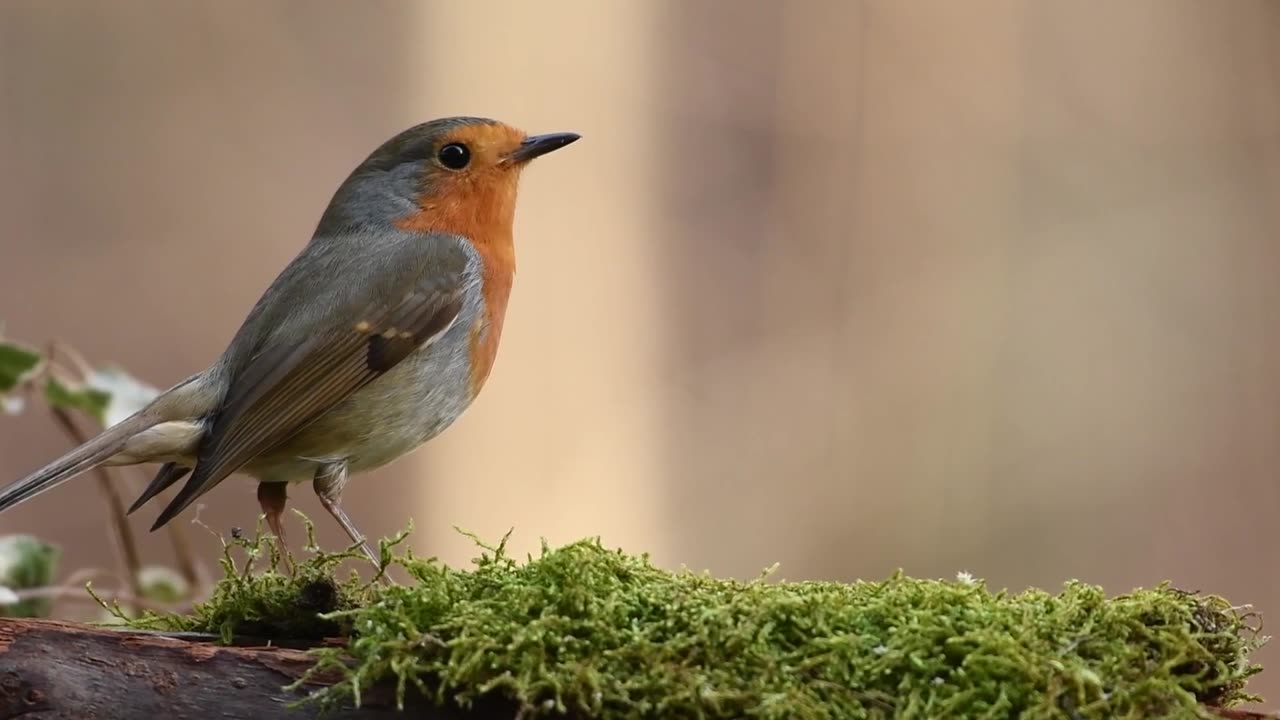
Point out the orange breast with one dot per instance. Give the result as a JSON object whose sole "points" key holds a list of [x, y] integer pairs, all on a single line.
{"points": [[498, 274], [481, 209]]}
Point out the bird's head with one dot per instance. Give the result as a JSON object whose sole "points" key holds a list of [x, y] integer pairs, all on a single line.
{"points": [[457, 175]]}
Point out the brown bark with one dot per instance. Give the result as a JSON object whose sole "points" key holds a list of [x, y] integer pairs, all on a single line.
{"points": [[55, 670]]}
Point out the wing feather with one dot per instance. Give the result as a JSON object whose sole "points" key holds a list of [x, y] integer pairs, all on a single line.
{"points": [[286, 387]]}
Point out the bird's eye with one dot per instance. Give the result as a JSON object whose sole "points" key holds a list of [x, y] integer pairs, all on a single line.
{"points": [[454, 156]]}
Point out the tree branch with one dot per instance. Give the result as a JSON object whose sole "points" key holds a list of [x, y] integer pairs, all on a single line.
{"points": [[54, 670]]}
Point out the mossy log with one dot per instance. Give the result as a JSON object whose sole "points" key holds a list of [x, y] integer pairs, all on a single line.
{"points": [[585, 632], [58, 670]]}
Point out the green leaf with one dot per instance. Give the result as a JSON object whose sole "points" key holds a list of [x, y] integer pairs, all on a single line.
{"points": [[17, 362], [26, 562], [68, 396]]}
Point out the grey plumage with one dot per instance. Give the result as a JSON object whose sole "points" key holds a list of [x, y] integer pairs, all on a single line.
{"points": [[359, 350]]}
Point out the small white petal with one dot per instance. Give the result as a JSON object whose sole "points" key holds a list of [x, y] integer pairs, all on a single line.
{"points": [[12, 404], [128, 394]]}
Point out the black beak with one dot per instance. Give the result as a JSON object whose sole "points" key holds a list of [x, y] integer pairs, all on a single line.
{"points": [[536, 145]]}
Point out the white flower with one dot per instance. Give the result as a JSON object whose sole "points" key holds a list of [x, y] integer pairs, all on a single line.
{"points": [[12, 404], [128, 394]]}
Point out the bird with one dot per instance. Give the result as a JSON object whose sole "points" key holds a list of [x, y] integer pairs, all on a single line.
{"points": [[372, 340]]}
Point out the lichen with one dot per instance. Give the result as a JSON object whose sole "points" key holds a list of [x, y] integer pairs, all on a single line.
{"points": [[594, 632]]}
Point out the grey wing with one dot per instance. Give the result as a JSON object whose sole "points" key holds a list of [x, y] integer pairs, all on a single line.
{"points": [[408, 301]]}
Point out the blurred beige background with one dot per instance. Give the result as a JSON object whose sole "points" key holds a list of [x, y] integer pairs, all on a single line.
{"points": [[849, 286]]}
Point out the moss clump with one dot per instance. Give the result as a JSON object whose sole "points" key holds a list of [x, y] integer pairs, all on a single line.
{"points": [[269, 603], [593, 632]]}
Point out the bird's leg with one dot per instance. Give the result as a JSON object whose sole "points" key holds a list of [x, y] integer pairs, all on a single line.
{"points": [[272, 496], [330, 479]]}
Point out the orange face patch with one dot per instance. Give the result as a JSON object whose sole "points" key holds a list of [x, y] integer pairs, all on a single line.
{"points": [[477, 202], [489, 143], [479, 199]]}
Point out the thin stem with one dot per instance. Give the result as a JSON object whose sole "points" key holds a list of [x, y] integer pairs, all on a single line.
{"points": [[181, 546], [196, 575], [127, 547], [59, 592], [120, 522], [58, 347], [79, 577], [192, 570], [186, 564]]}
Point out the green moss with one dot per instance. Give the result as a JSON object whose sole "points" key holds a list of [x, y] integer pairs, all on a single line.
{"points": [[591, 631], [255, 598]]}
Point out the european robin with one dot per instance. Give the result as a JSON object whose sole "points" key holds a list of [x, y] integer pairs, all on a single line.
{"points": [[375, 338]]}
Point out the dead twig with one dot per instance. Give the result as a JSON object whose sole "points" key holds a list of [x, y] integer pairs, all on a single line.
{"points": [[64, 361], [194, 573], [59, 592], [123, 534], [80, 577], [126, 546]]}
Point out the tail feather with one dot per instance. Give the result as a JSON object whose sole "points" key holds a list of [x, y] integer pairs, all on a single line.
{"points": [[169, 474], [93, 452]]}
